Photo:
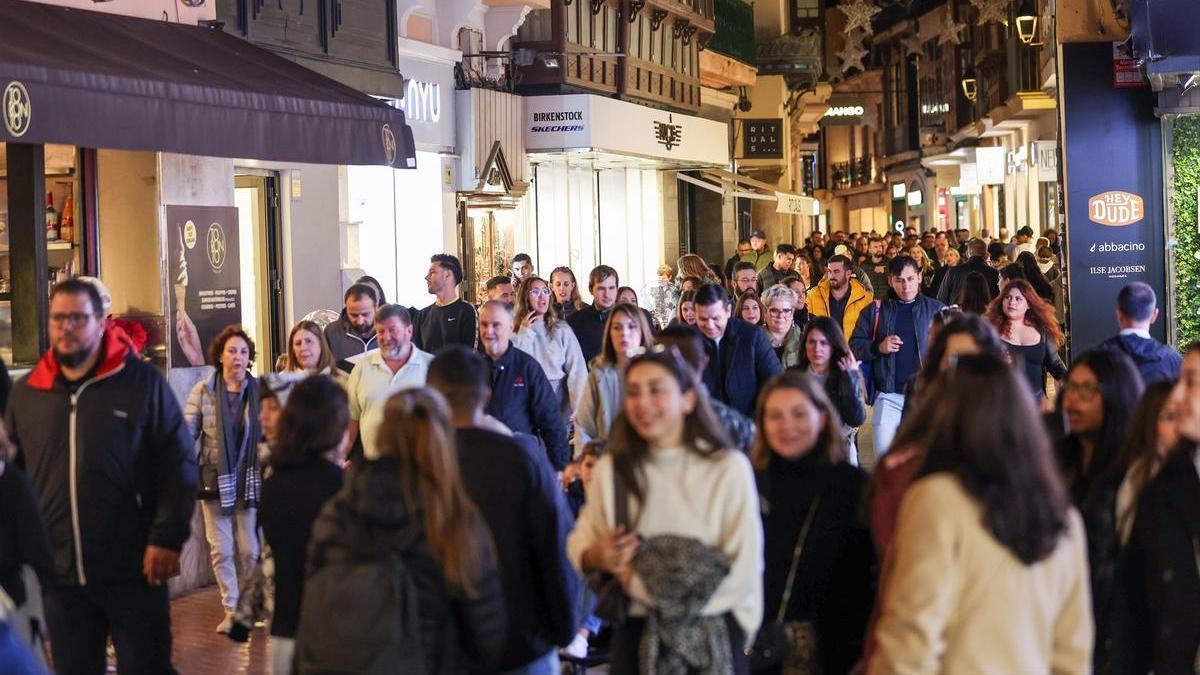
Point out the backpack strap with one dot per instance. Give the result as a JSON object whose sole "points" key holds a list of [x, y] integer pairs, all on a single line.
{"points": [[875, 325]]}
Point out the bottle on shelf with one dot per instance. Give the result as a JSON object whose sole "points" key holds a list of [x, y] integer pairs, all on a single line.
{"points": [[51, 218], [66, 226]]}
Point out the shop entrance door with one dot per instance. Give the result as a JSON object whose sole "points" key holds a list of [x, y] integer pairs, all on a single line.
{"points": [[260, 234], [486, 239]]}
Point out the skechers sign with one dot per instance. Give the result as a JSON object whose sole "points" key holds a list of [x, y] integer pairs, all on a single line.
{"points": [[557, 122], [1116, 208]]}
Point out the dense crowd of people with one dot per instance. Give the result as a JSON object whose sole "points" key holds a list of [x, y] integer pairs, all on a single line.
{"points": [[541, 481]]}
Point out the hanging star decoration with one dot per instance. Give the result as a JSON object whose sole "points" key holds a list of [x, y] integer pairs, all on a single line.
{"points": [[858, 15], [852, 56], [950, 32], [991, 11], [913, 45]]}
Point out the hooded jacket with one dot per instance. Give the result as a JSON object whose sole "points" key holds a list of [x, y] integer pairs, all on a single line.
{"points": [[1155, 360], [112, 463]]}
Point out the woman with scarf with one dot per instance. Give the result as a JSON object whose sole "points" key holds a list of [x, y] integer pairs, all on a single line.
{"points": [[222, 414]]}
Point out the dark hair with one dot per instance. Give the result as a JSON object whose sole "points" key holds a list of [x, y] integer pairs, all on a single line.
{"points": [[601, 273], [830, 445], [1120, 388], [357, 291], [686, 296], [839, 258], [896, 266], [77, 286], [314, 421], [785, 249], [608, 353], [985, 432], [522, 257], [325, 361], [1012, 272], [1039, 315], [696, 282], [523, 307], [1139, 453], [996, 251], [449, 262], [710, 294], [393, 311], [497, 281], [975, 294], [462, 377], [749, 296], [622, 289], [838, 380], [702, 434], [688, 341], [976, 247], [1033, 274], [217, 346], [373, 283], [743, 266], [1137, 301]]}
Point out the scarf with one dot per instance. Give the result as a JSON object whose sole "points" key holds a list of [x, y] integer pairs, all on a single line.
{"points": [[238, 481]]}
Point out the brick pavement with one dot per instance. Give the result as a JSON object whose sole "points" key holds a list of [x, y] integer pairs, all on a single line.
{"points": [[199, 650]]}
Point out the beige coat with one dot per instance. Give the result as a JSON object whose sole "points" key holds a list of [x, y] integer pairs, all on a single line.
{"points": [[954, 600]]}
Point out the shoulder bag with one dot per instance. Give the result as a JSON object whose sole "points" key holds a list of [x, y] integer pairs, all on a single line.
{"points": [[612, 605], [789, 645]]}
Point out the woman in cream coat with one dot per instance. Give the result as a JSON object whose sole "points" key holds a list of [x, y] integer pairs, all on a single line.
{"points": [[988, 570]]}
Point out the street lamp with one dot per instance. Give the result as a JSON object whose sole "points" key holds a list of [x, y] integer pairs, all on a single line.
{"points": [[1028, 22], [970, 85]]}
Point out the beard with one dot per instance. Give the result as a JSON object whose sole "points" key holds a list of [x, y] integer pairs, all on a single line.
{"points": [[72, 359]]}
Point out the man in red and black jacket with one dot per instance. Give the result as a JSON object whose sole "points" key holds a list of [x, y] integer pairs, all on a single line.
{"points": [[102, 438]]}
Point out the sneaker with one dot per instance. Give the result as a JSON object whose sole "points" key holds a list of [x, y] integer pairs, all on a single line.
{"points": [[578, 648], [226, 625]]}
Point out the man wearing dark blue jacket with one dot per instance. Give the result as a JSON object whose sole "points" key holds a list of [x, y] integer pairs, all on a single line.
{"points": [[523, 504], [102, 438], [522, 398], [740, 356], [891, 336], [1137, 310]]}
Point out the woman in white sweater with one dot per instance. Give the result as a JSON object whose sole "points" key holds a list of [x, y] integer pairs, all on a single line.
{"points": [[541, 333], [678, 478], [988, 569], [625, 331]]}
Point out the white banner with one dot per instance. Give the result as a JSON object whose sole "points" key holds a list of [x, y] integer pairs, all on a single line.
{"points": [[992, 165], [586, 122]]}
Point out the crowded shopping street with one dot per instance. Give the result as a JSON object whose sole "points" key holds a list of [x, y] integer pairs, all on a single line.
{"points": [[624, 337]]}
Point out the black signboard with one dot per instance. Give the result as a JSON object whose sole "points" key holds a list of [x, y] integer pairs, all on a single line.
{"points": [[762, 139], [205, 267]]}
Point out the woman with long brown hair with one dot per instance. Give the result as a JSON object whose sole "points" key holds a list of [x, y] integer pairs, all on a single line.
{"points": [[541, 333], [1030, 330], [625, 332], [692, 265], [411, 503], [818, 571], [309, 352], [1153, 434], [670, 471], [749, 308], [686, 313]]}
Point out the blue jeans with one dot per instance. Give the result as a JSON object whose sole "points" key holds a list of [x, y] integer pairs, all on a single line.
{"points": [[543, 665]]}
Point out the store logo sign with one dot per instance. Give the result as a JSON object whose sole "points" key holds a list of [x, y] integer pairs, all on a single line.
{"points": [[17, 109], [216, 247], [558, 121], [1116, 208], [422, 101], [668, 134]]}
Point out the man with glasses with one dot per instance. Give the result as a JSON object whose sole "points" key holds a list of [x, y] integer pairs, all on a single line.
{"points": [[396, 365], [743, 248], [102, 438]]}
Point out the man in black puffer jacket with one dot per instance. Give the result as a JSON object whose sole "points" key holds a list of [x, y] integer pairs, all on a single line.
{"points": [[1137, 310], [103, 441]]}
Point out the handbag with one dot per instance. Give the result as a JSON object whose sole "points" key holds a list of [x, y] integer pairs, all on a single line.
{"points": [[612, 605], [790, 644], [867, 367], [207, 489]]}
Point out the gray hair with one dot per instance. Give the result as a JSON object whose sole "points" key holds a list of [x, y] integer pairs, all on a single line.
{"points": [[779, 292]]}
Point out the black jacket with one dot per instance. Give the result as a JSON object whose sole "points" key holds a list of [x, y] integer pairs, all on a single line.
{"points": [[523, 505], [368, 518], [1157, 619], [953, 281], [524, 401], [865, 339], [745, 363], [135, 474], [1155, 360], [344, 344], [23, 539], [292, 498], [588, 324]]}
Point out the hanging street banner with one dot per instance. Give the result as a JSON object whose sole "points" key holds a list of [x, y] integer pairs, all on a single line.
{"points": [[205, 271]]}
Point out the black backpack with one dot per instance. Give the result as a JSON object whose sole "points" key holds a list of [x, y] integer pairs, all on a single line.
{"points": [[360, 616]]}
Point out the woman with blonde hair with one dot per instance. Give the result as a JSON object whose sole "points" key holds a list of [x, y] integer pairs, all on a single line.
{"points": [[541, 333], [309, 352], [927, 270], [411, 503], [566, 292]]}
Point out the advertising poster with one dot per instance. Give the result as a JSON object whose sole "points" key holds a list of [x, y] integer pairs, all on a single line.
{"points": [[1114, 199], [205, 273]]}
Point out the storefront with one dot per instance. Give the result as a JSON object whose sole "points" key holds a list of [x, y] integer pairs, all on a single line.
{"points": [[146, 155], [604, 174]]}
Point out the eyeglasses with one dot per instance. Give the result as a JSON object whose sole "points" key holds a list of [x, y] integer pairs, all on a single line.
{"points": [[774, 311], [1084, 390], [948, 309], [72, 318], [536, 292]]}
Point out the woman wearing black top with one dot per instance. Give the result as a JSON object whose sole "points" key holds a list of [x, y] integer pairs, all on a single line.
{"points": [[1029, 329], [827, 358], [800, 459], [313, 424]]}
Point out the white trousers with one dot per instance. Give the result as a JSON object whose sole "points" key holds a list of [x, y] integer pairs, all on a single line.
{"points": [[280, 652], [885, 418], [232, 545]]}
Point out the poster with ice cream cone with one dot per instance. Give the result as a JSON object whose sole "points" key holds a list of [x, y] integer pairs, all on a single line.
{"points": [[205, 268]]}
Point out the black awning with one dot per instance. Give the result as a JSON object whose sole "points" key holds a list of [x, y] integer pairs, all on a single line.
{"points": [[105, 81]]}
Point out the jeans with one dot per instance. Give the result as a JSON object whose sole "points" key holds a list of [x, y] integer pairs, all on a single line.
{"points": [[886, 419], [543, 665], [81, 618], [233, 544]]}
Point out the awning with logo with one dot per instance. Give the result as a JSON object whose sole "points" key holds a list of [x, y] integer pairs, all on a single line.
{"points": [[106, 81], [736, 185]]}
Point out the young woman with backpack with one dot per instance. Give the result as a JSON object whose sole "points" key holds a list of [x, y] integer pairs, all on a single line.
{"points": [[402, 577]]}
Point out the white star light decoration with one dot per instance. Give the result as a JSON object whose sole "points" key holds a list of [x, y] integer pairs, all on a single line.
{"points": [[991, 11], [913, 46], [950, 32], [852, 56], [858, 15]]}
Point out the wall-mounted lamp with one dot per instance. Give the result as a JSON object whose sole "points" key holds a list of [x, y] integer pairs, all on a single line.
{"points": [[970, 85], [1028, 23]]}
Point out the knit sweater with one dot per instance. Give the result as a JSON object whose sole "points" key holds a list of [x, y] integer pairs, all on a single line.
{"points": [[558, 353]]}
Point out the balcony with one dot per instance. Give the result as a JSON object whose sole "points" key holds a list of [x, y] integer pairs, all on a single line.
{"points": [[856, 173], [734, 31]]}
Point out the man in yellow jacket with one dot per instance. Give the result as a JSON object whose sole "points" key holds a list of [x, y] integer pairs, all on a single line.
{"points": [[839, 296]]}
